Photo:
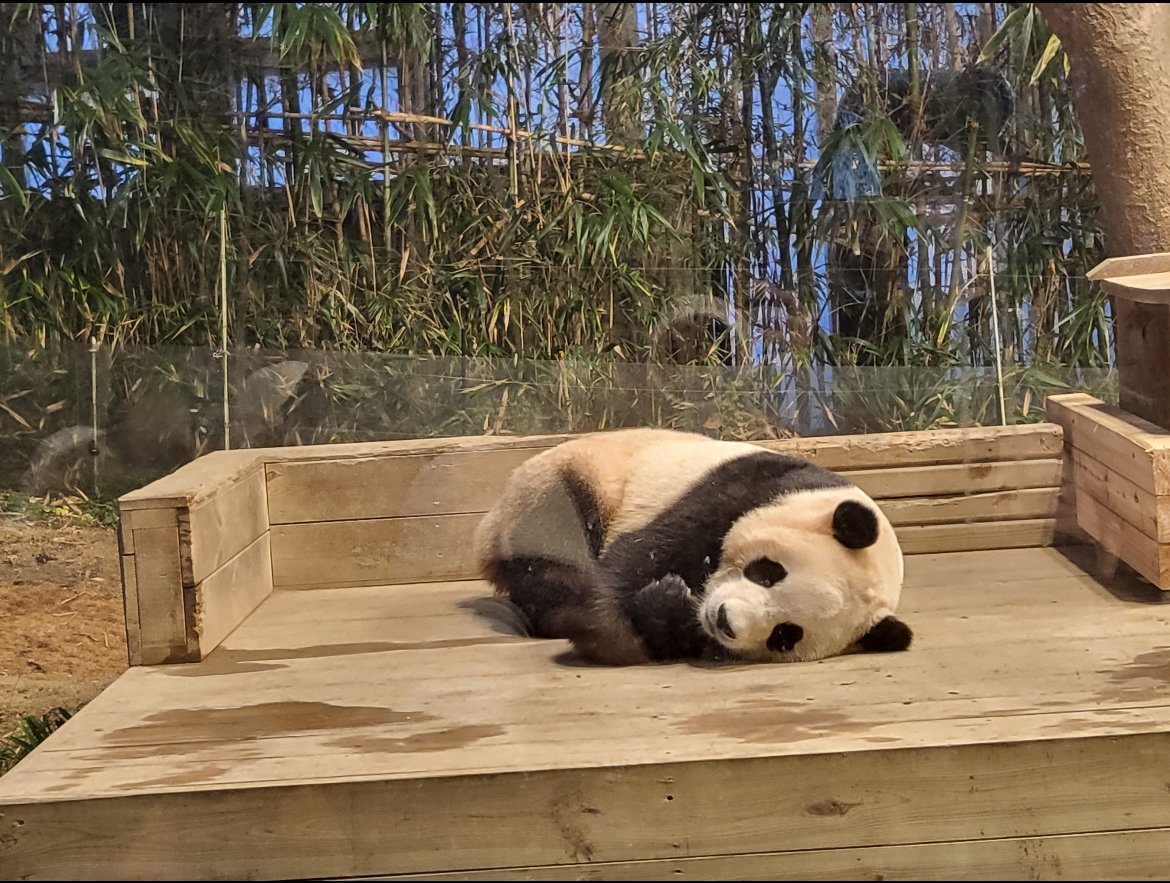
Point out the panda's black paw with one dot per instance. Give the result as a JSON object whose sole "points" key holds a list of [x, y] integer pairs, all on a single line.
{"points": [[665, 615]]}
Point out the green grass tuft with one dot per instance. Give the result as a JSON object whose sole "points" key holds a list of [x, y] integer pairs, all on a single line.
{"points": [[78, 510], [30, 732]]}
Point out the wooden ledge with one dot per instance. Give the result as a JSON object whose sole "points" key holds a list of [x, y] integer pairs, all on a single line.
{"points": [[1143, 279]]}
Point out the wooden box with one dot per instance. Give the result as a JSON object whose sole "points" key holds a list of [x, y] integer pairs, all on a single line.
{"points": [[1120, 469]]}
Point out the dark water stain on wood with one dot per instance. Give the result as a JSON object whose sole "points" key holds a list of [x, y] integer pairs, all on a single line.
{"points": [[265, 719], [771, 722], [182, 778], [1144, 679], [225, 661], [1102, 719], [1154, 666], [436, 740]]}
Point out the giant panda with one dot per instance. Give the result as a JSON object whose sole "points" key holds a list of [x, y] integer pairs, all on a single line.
{"points": [[651, 545]]}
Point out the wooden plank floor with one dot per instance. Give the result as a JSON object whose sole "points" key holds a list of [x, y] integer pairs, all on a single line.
{"points": [[383, 731]]}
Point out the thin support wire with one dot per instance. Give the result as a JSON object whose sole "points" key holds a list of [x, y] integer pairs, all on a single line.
{"points": [[223, 320], [94, 448], [997, 343]]}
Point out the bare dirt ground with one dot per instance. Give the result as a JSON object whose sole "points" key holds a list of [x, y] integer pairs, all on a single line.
{"points": [[62, 626]]}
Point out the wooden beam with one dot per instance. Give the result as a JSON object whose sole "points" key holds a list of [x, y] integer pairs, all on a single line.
{"points": [[1136, 448], [374, 551], [158, 586], [390, 486], [1143, 509], [1145, 555], [978, 444], [226, 597], [1116, 855], [1041, 502], [962, 478], [927, 538], [577, 817]]}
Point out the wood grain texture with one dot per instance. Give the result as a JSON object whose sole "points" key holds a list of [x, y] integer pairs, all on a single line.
{"points": [[1129, 445], [384, 487], [195, 482], [130, 607], [216, 529], [582, 816], [1148, 513], [956, 479], [357, 487], [918, 539], [1041, 502], [377, 551], [203, 478], [1112, 855], [224, 598], [1038, 441], [1145, 555], [158, 584]]}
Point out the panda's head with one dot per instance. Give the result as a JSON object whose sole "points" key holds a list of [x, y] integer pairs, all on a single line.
{"points": [[814, 574]]}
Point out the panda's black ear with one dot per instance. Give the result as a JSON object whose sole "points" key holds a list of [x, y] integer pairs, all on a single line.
{"points": [[888, 635], [855, 525]]}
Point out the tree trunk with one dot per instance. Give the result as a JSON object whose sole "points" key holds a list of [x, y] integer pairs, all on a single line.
{"points": [[621, 94], [952, 25], [585, 73], [824, 69], [20, 51], [1119, 56]]}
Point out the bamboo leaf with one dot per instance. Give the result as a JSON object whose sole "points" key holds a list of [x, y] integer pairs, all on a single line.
{"points": [[11, 189], [1046, 58], [1011, 24]]}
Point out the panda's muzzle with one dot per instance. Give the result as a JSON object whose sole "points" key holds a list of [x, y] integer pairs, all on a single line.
{"points": [[723, 624], [784, 637]]}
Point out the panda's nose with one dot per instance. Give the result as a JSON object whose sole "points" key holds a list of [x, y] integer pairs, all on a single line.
{"points": [[723, 623]]}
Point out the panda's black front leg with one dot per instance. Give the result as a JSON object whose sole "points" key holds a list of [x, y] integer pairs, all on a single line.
{"points": [[665, 615]]}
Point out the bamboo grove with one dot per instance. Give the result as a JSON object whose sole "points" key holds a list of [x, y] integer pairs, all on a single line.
{"points": [[809, 184]]}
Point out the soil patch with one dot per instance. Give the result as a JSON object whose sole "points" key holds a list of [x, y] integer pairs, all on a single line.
{"points": [[62, 625]]}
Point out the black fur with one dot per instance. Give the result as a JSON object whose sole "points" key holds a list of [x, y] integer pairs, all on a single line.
{"points": [[663, 614], [887, 636], [549, 593], [855, 525], [593, 519], [687, 538], [765, 572], [784, 637]]}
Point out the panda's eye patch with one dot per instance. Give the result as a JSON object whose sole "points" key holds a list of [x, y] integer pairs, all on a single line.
{"points": [[765, 572]]}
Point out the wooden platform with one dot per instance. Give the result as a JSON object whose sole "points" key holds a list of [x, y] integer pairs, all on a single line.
{"points": [[375, 731], [331, 699]]}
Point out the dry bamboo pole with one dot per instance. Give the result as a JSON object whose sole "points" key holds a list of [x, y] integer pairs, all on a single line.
{"points": [[513, 171]]}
